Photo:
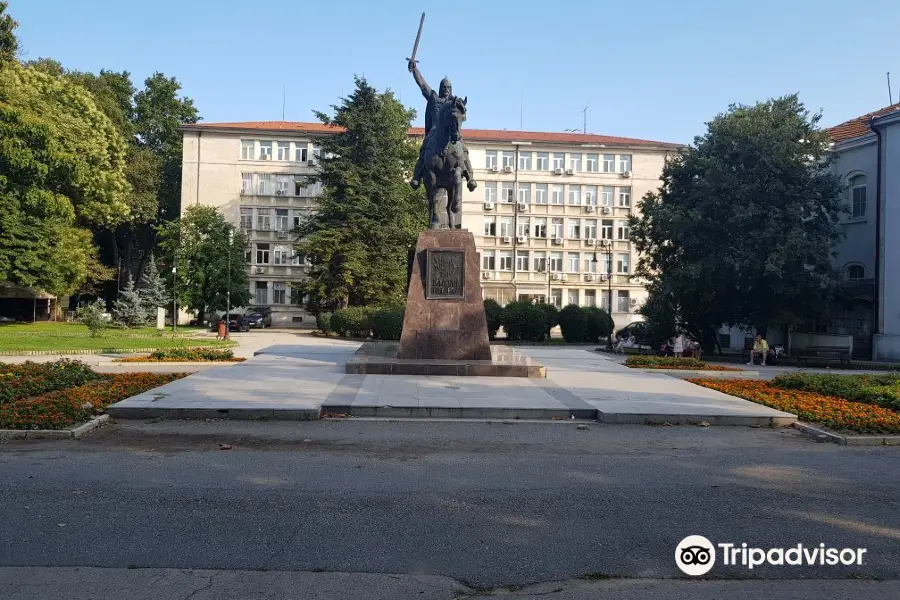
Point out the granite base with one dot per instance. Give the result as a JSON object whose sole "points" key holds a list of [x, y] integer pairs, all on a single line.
{"points": [[380, 358]]}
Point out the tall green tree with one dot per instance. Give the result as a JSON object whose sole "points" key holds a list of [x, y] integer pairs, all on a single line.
{"points": [[198, 245], [368, 216], [742, 230], [9, 44]]}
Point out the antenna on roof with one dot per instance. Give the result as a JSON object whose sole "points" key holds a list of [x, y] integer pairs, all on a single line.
{"points": [[890, 95], [283, 100], [584, 130]]}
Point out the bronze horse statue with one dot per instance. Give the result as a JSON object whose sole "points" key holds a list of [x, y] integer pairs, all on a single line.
{"points": [[445, 165]]}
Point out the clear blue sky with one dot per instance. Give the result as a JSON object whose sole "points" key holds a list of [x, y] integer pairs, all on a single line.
{"points": [[654, 69]]}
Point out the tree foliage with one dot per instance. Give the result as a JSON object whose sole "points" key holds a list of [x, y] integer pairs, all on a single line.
{"points": [[9, 45], [153, 288], [742, 230], [199, 245], [368, 217], [129, 309]]}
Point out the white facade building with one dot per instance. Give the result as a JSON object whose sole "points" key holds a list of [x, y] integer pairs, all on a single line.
{"points": [[550, 214]]}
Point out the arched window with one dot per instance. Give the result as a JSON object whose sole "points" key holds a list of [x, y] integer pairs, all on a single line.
{"points": [[858, 196], [856, 273]]}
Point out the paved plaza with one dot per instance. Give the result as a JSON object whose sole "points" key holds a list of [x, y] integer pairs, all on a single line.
{"points": [[305, 377]]}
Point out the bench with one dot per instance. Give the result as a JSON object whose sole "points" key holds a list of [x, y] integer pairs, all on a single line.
{"points": [[641, 350], [830, 353]]}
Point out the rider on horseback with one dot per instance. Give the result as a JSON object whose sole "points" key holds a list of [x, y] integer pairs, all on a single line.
{"points": [[433, 118]]}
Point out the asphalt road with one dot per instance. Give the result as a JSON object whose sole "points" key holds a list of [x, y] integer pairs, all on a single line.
{"points": [[485, 504]]}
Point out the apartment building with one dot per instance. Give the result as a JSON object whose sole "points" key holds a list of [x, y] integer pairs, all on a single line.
{"points": [[550, 215]]}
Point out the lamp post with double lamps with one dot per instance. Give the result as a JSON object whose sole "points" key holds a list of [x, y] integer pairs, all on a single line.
{"points": [[228, 287], [609, 274]]}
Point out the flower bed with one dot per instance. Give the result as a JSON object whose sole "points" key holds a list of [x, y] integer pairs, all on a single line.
{"points": [[881, 390], [19, 381], [673, 362], [185, 355], [829, 411], [65, 407]]}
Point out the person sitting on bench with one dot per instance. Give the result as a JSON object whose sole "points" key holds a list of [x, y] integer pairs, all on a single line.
{"points": [[760, 348]]}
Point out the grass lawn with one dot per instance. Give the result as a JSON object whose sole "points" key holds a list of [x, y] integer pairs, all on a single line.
{"points": [[77, 329], [63, 337]]}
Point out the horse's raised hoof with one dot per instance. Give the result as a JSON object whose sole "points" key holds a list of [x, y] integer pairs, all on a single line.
{"points": [[414, 184], [472, 185]]}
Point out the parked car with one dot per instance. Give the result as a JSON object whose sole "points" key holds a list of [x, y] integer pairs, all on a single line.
{"points": [[638, 329], [236, 322], [259, 319]]}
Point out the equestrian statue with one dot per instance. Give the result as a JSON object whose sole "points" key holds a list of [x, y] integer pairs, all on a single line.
{"points": [[443, 159]]}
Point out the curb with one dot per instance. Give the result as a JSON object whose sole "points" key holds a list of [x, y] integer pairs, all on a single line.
{"points": [[93, 351], [700, 372], [53, 434], [436, 412], [821, 435], [159, 363], [238, 414], [681, 419]]}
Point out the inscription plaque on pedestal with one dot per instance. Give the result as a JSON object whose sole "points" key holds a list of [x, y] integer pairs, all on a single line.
{"points": [[445, 274]]}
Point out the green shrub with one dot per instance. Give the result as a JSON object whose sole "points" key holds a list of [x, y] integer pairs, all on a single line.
{"points": [[355, 321], [599, 324], [663, 362], [323, 322], [492, 312], [880, 390], [93, 316], [191, 354], [551, 315], [573, 323], [524, 321], [387, 324], [29, 379]]}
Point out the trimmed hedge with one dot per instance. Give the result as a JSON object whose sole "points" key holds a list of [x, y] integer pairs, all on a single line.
{"points": [[493, 312], [599, 324], [323, 322], [387, 324], [355, 321], [673, 362], [191, 354], [880, 390], [573, 323], [524, 321], [551, 316]]}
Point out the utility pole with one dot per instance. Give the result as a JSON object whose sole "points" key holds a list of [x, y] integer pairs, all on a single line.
{"points": [[174, 295], [228, 288]]}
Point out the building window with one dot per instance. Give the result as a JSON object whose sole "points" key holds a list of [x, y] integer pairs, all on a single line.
{"points": [[556, 228], [281, 219], [490, 159], [589, 265], [540, 227], [557, 194], [508, 158], [574, 229], [590, 195], [317, 151], [606, 196], [856, 273], [624, 163], [590, 229], [299, 188], [525, 192], [624, 301], [490, 191], [575, 162], [543, 161], [556, 297], [262, 254], [246, 218], [281, 255], [606, 229], [506, 260], [573, 297], [592, 163], [246, 183], [521, 260], [540, 193], [523, 227], [858, 196], [573, 257], [248, 255], [574, 195], [296, 293], [284, 150], [622, 265], [506, 192], [247, 147], [540, 262], [524, 161], [590, 297], [487, 260], [283, 184], [298, 219], [490, 226], [606, 264], [556, 262], [297, 259], [559, 160], [609, 163], [625, 197], [263, 219], [265, 150], [262, 292], [265, 183], [506, 226], [624, 230], [301, 153], [278, 292], [606, 300]]}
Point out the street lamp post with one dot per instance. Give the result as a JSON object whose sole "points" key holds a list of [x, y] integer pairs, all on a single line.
{"points": [[174, 296], [609, 274], [228, 287]]}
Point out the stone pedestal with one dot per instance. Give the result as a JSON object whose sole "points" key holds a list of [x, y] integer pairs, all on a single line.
{"points": [[444, 310]]}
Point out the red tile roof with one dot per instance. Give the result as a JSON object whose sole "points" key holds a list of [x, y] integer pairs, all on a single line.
{"points": [[483, 135], [859, 126]]}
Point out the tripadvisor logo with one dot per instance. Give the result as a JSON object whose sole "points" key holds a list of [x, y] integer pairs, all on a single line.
{"points": [[695, 555]]}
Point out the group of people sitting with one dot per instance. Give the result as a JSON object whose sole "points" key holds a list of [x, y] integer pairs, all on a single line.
{"points": [[680, 345]]}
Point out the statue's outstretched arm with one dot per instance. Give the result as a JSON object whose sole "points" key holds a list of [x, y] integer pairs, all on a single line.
{"points": [[420, 81]]}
